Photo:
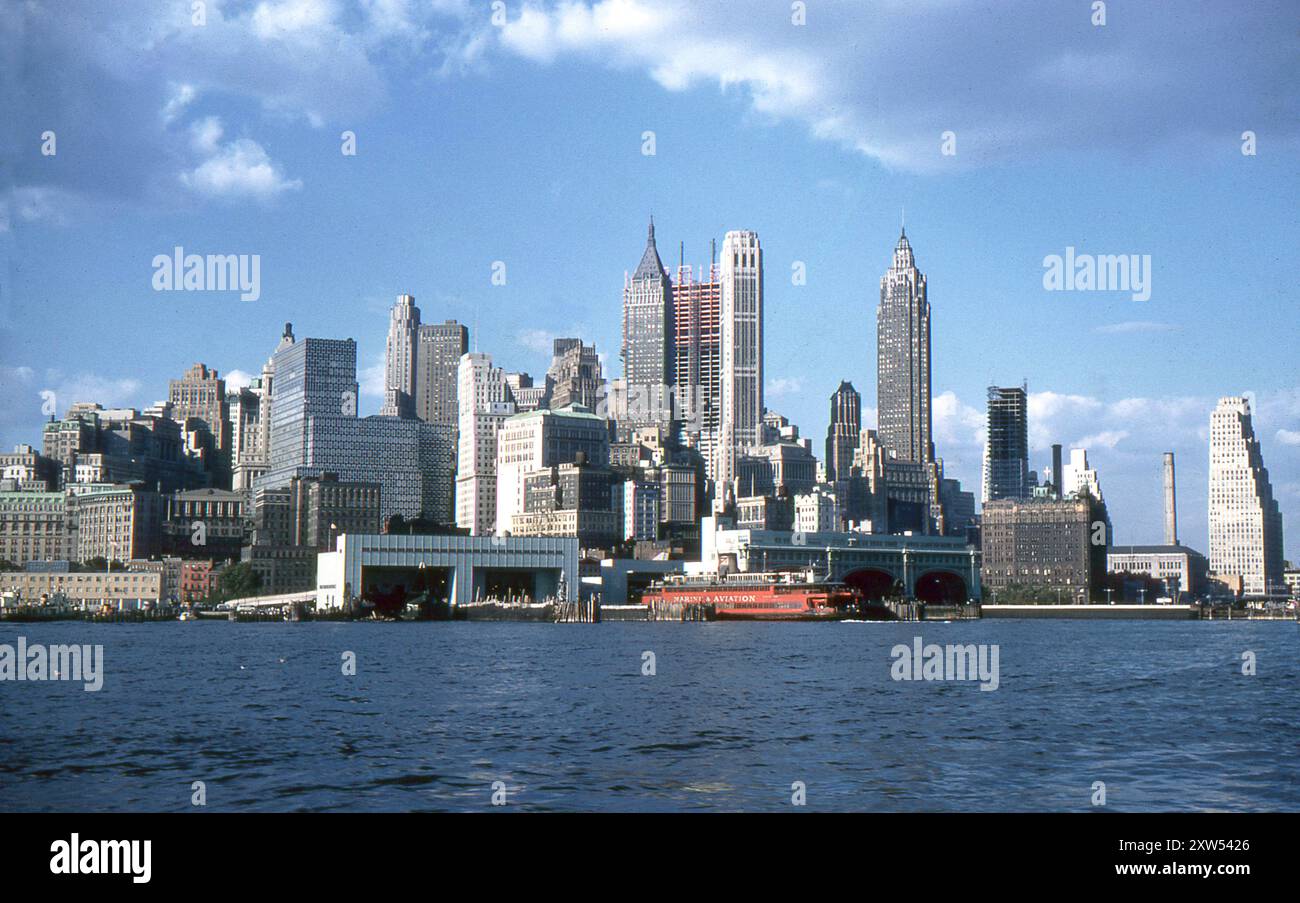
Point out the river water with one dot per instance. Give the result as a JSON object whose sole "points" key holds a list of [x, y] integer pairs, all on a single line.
{"points": [[735, 717]]}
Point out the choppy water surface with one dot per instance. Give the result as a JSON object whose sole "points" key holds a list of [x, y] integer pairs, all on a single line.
{"points": [[735, 714]]}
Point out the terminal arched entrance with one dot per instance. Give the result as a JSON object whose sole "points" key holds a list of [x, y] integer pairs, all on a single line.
{"points": [[873, 583], [941, 587]]}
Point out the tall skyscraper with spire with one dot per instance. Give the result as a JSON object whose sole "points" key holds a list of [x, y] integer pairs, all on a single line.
{"points": [[903, 359], [1245, 522], [400, 358], [647, 352], [742, 350], [843, 434]]}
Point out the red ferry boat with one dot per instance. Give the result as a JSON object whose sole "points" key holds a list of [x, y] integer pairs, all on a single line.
{"points": [[757, 597]]}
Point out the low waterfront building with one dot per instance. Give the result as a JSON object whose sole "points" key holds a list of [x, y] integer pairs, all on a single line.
{"points": [[458, 568], [283, 569], [941, 569], [1291, 577], [168, 568], [198, 580], [1181, 569], [120, 589]]}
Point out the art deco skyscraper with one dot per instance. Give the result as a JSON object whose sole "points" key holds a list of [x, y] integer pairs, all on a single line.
{"points": [[575, 375], [742, 350], [903, 359], [1245, 523], [400, 358], [648, 337], [843, 434]]}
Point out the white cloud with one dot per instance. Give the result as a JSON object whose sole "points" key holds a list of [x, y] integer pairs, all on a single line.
{"points": [[784, 385], [373, 378], [237, 169], [205, 135], [1104, 439], [37, 203], [238, 379], [181, 97], [849, 77], [1289, 437], [955, 423], [539, 341], [294, 19]]}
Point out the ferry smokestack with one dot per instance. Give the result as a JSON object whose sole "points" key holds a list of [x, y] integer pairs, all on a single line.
{"points": [[1171, 503]]}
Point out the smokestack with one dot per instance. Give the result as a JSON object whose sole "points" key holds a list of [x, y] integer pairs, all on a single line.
{"points": [[1057, 479], [1171, 503]]}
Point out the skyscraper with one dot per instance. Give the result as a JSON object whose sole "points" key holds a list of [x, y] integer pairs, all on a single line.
{"points": [[538, 439], [314, 378], [742, 350], [315, 430], [438, 349], [575, 375], [1245, 523], [484, 398], [400, 357], [697, 357], [648, 336], [1078, 477], [1006, 449], [903, 359], [201, 395], [843, 433]]}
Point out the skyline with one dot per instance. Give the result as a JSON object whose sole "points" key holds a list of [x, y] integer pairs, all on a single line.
{"points": [[501, 161]]}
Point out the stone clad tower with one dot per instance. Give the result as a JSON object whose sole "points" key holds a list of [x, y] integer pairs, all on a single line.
{"points": [[1245, 522], [903, 359]]}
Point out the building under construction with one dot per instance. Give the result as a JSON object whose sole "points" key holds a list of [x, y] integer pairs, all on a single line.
{"points": [[697, 354]]}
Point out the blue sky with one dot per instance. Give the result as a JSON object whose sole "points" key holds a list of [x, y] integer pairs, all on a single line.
{"points": [[522, 142]]}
